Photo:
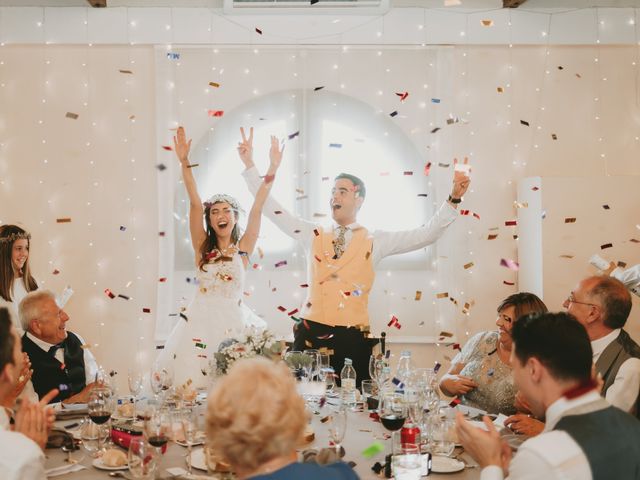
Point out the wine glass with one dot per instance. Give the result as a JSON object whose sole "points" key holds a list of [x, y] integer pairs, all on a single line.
{"points": [[158, 428], [134, 378], [189, 423], [327, 375], [337, 425], [295, 361], [312, 367], [393, 412], [142, 458], [101, 406], [91, 434]]}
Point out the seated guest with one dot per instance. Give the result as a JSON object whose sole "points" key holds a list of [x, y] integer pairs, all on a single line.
{"points": [[480, 375], [584, 438], [21, 455], [255, 421], [57, 357], [602, 305]]}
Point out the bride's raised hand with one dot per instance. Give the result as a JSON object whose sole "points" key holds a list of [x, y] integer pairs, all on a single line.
{"points": [[245, 148], [181, 146]]}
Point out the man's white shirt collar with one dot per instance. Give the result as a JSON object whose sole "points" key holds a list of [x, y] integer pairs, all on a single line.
{"points": [[557, 408], [600, 344], [41, 343]]}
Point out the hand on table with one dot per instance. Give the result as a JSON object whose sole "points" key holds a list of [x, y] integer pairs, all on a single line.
{"points": [[524, 424]]}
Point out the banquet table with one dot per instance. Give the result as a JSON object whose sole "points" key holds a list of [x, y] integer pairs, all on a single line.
{"points": [[361, 432]]}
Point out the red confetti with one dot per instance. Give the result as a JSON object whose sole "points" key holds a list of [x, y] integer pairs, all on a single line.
{"points": [[306, 325], [456, 346], [167, 148], [606, 245], [258, 31], [281, 308], [281, 263], [403, 96], [475, 215], [215, 113], [293, 312], [454, 402], [510, 264], [317, 258], [109, 293], [316, 232], [508, 283], [511, 223], [162, 279], [304, 285], [146, 310], [56, 271]]}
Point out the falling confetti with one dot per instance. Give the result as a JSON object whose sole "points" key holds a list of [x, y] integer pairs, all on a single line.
{"points": [[524, 122], [487, 23], [335, 145], [72, 116], [442, 295], [372, 450], [510, 264], [394, 113], [214, 84], [606, 245], [215, 113], [570, 220], [258, 31], [293, 135], [63, 220], [468, 265], [418, 295]]}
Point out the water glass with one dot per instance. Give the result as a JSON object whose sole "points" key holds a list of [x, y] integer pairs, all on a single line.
{"points": [[92, 436], [142, 459], [443, 436], [328, 376], [406, 462], [337, 425], [370, 392]]}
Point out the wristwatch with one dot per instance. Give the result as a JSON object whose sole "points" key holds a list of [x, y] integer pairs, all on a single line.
{"points": [[455, 201]]}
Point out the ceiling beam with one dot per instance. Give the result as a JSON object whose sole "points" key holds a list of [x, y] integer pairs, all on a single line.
{"points": [[512, 3], [100, 3]]}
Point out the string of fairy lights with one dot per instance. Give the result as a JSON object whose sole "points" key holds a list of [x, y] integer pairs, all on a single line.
{"points": [[300, 80]]}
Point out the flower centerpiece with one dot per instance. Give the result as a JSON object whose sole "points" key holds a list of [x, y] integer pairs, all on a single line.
{"points": [[251, 343]]}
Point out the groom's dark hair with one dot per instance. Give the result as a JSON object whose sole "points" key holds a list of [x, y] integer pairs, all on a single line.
{"points": [[361, 190]]}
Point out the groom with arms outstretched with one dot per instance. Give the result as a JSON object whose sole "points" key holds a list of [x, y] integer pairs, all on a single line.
{"points": [[341, 261]]}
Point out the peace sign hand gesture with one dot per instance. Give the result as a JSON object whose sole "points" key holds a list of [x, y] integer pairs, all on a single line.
{"points": [[245, 148]]}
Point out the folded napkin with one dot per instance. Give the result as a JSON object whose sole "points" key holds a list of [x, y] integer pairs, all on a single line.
{"points": [[64, 469]]}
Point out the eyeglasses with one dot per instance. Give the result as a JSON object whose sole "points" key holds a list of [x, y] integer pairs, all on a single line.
{"points": [[570, 299]]}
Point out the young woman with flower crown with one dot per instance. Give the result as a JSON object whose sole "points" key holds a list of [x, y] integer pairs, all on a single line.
{"points": [[15, 275], [221, 256]]}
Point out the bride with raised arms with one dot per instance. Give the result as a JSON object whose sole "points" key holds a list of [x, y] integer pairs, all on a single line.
{"points": [[221, 257]]}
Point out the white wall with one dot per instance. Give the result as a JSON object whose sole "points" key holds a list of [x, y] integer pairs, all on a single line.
{"points": [[502, 152]]}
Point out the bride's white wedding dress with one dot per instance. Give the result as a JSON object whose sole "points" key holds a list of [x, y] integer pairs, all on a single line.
{"points": [[216, 314]]}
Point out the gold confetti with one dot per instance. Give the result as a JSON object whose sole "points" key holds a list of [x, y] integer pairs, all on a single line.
{"points": [[500, 89], [128, 72], [521, 205], [63, 220], [71, 115], [570, 220], [467, 266], [418, 295], [487, 23], [442, 295], [446, 334], [214, 84], [492, 236], [566, 256]]}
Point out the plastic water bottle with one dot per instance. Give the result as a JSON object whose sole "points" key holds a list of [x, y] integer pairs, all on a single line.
{"points": [[348, 383], [403, 372]]}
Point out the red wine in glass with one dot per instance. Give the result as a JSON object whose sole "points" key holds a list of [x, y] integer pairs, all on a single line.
{"points": [[158, 441], [100, 417], [392, 422]]}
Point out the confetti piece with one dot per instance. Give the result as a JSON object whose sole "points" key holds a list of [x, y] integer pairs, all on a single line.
{"points": [[193, 165], [123, 228], [510, 264], [456, 346], [435, 129], [622, 264], [167, 148], [425, 195], [634, 240], [281, 263], [394, 322], [524, 122], [394, 113], [372, 450], [578, 75], [517, 204], [173, 56], [281, 308], [606, 207], [508, 283], [162, 279], [442, 295], [161, 167], [570, 220], [418, 295], [535, 189], [215, 113], [319, 215], [560, 67], [487, 23], [292, 312], [468, 265], [317, 89], [335, 145], [63, 220], [367, 255], [146, 310], [435, 100], [427, 169], [56, 271], [500, 90], [492, 236], [606, 245], [491, 372], [124, 297], [403, 96], [446, 334], [63, 387], [72, 116], [184, 317], [444, 165], [566, 256], [317, 258], [109, 293], [128, 72], [554, 136], [293, 135], [510, 223], [325, 337], [258, 31], [214, 84]]}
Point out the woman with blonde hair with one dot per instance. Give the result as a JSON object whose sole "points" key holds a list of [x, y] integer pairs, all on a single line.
{"points": [[480, 375], [255, 421], [15, 275]]}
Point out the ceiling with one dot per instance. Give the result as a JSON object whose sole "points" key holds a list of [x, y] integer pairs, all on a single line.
{"points": [[467, 4]]}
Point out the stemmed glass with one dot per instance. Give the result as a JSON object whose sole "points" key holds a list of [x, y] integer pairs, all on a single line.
{"points": [[158, 428], [189, 423], [142, 458], [161, 380], [312, 367], [337, 423], [295, 360], [393, 412], [134, 378], [101, 406]]}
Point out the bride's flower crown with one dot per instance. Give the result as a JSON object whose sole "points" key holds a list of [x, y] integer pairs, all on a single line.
{"points": [[223, 197], [15, 236]]}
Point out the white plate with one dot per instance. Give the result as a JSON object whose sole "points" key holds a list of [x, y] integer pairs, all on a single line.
{"points": [[197, 459], [99, 464], [441, 464]]}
